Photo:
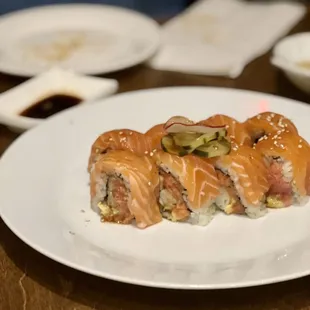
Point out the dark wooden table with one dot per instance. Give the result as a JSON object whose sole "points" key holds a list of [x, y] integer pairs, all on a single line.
{"points": [[29, 280]]}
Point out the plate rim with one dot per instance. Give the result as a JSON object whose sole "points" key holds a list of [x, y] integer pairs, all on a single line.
{"points": [[137, 281], [148, 53]]}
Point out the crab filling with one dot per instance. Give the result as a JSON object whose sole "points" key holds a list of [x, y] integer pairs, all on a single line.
{"points": [[171, 199], [114, 208], [280, 193], [229, 201]]}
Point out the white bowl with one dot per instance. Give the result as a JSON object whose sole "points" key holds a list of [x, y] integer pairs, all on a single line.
{"points": [[52, 82], [292, 56]]}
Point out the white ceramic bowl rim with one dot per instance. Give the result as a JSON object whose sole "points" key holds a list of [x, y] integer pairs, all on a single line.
{"points": [[282, 58]]}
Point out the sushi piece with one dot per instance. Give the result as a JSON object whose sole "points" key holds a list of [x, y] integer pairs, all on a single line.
{"points": [[125, 187], [288, 157], [267, 123], [237, 133], [243, 176], [122, 139], [188, 188]]}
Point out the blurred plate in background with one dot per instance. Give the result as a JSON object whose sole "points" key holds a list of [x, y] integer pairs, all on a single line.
{"points": [[85, 38]]}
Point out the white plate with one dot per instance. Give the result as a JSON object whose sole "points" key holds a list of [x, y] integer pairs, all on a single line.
{"points": [[86, 38], [44, 187]]}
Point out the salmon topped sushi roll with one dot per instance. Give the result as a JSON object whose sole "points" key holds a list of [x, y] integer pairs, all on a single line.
{"points": [[288, 157], [125, 187], [243, 176], [154, 136], [188, 188], [236, 132], [121, 139], [267, 123]]}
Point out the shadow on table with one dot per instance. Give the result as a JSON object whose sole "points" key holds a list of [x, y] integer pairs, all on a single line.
{"points": [[98, 293]]}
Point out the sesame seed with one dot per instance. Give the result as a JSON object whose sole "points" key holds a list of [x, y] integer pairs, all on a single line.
{"points": [[258, 116], [146, 152], [227, 126], [123, 139], [268, 118], [271, 148], [285, 125], [151, 154], [300, 141], [271, 123], [299, 146], [110, 139], [234, 122], [254, 148], [279, 132], [149, 183], [263, 138], [232, 137], [202, 193], [272, 114], [154, 150], [120, 132], [130, 133]]}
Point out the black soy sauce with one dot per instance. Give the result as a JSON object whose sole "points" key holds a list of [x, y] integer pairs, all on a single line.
{"points": [[50, 105]]}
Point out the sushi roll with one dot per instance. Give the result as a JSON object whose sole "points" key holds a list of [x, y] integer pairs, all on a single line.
{"points": [[154, 136], [236, 132], [243, 176], [188, 188], [125, 187], [122, 139], [288, 157], [267, 123]]}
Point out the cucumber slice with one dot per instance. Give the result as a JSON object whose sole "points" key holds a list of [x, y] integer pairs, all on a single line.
{"points": [[168, 145], [191, 140], [185, 139], [213, 148]]}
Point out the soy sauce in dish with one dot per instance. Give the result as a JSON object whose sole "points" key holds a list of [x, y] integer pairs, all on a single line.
{"points": [[50, 105]]}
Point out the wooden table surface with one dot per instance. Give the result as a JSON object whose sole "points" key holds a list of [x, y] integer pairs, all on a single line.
{"points": [[29, 280]]}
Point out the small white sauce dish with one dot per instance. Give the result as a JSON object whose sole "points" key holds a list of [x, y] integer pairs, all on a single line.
{"points": [[292, 56], [53, 82]]}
